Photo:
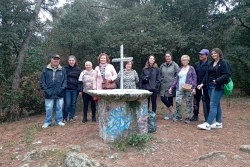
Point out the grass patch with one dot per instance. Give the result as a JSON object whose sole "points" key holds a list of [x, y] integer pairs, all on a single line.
{"points": [[162, 110], [248, 119], [52, 133], [29, 131], [134, 140], [10, 143], [236, 99]]}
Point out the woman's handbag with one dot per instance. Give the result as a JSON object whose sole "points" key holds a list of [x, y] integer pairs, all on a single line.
{"points": [[186, 87], [108, 84]]}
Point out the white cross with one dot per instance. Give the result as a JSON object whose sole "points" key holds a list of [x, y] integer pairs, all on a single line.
{"points": [[121, 60]]}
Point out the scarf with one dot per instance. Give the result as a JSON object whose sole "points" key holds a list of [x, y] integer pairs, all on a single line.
{"points": [[102, 68]]}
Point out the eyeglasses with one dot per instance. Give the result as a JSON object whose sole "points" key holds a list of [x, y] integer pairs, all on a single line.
{"points": [[184, 60]]}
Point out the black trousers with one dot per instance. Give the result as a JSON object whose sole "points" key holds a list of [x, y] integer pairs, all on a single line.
{"points": [[153, 99], [86, 98], [197, 99], [168, 101]]}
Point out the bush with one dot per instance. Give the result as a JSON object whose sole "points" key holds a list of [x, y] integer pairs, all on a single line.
{"points": [[134, 140], [28, 100], [31, 99]]}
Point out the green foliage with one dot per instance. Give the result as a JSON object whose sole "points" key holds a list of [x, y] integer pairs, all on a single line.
{"points": [[9, 106], [139, 139], [77, 30], [31, 98], [134, 140], [238, 46], [133, 104], [86, 28], [15, 15], [24, 102], [120, 145]]}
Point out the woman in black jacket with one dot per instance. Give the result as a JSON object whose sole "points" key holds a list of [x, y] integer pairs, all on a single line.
{"points": [[218, 73], [150, 80], [71, 92]]}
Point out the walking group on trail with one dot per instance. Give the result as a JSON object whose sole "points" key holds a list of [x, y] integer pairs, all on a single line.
{"points": [[204, 81]]}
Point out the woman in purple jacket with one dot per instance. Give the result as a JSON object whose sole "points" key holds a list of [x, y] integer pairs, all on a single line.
{"points": [[186, 74]]}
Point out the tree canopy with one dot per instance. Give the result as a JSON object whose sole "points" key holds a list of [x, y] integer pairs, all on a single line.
{"points": [[85, 28]]}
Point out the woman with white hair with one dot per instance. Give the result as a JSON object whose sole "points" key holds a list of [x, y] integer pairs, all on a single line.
{"points": [[86, 77], [185, 75]]}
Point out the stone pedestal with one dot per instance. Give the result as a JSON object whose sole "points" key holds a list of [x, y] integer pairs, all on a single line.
{"points": [[121, 113]]}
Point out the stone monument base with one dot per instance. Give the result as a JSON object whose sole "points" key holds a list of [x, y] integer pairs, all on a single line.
{"points": [[121, 113]]}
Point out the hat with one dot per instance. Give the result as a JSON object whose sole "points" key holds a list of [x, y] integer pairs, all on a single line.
{"points": [[204, 52], [55, 56]]}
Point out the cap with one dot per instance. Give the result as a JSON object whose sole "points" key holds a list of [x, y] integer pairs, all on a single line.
{"points": [[204, 52], [55, 56]]}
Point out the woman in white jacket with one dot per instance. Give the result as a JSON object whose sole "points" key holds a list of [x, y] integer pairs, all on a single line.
{"points": [[86, 77]]}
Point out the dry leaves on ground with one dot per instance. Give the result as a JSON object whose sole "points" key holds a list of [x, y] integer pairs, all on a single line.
{"points": [[175, 143]]}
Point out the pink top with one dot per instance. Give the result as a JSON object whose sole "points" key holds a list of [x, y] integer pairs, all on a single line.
{"points": [[110, 73]]}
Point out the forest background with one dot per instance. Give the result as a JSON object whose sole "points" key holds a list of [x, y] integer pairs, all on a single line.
{"points": [[85, 28]]}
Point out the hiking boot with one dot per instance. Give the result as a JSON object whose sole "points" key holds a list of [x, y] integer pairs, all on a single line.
{"points": [[205, 126], [167, 117], [84, 120], [194, 118], [45, 125], [60, 124], [187, 120], [216, 125], [93, 119]]}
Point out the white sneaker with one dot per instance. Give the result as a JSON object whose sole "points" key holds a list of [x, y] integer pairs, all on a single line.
{"points": [[204, 126], [45, 125], [60, 124], [216, 125]]}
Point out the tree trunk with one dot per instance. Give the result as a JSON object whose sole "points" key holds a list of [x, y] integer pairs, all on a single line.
{"points": [[17, 74]]}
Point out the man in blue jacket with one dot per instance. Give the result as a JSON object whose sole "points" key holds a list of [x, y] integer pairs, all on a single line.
{"points": [[53, 81]]}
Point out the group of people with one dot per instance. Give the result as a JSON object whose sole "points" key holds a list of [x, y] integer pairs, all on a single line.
{"points": [[62, 85], [206, 78]]}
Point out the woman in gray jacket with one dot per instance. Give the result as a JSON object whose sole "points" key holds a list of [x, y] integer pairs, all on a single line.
{"points": [[168, 72]]}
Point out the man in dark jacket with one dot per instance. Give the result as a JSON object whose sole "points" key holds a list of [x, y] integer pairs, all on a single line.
{"points": [[53, 81], [200, 69]]}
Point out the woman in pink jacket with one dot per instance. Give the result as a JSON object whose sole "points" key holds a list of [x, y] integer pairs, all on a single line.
{"points": [[105, 69]]}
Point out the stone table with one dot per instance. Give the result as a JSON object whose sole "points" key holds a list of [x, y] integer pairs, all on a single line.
{"points": [[121, 112]]}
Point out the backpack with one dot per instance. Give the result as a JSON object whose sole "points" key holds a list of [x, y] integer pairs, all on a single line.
{"points": [[152, 124], [228, 88]]}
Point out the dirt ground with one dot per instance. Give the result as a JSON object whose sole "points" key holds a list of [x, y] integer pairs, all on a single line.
{"points": [[175, 144]]}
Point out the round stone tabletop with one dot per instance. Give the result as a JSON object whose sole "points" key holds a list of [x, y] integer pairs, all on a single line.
{"points": [[120, 95]]}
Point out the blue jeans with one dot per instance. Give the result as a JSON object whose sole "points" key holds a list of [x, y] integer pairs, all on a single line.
{"points": [[70, 98], [49, 105], [215, 109]]}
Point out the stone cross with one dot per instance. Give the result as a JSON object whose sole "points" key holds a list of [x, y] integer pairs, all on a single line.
{"points": [[121, 60]]}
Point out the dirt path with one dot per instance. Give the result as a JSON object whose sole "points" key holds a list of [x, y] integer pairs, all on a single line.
{"points": [[175, 144]]}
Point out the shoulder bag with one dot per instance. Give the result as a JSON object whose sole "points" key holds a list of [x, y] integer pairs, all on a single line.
{"points": [[106, 84]]}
